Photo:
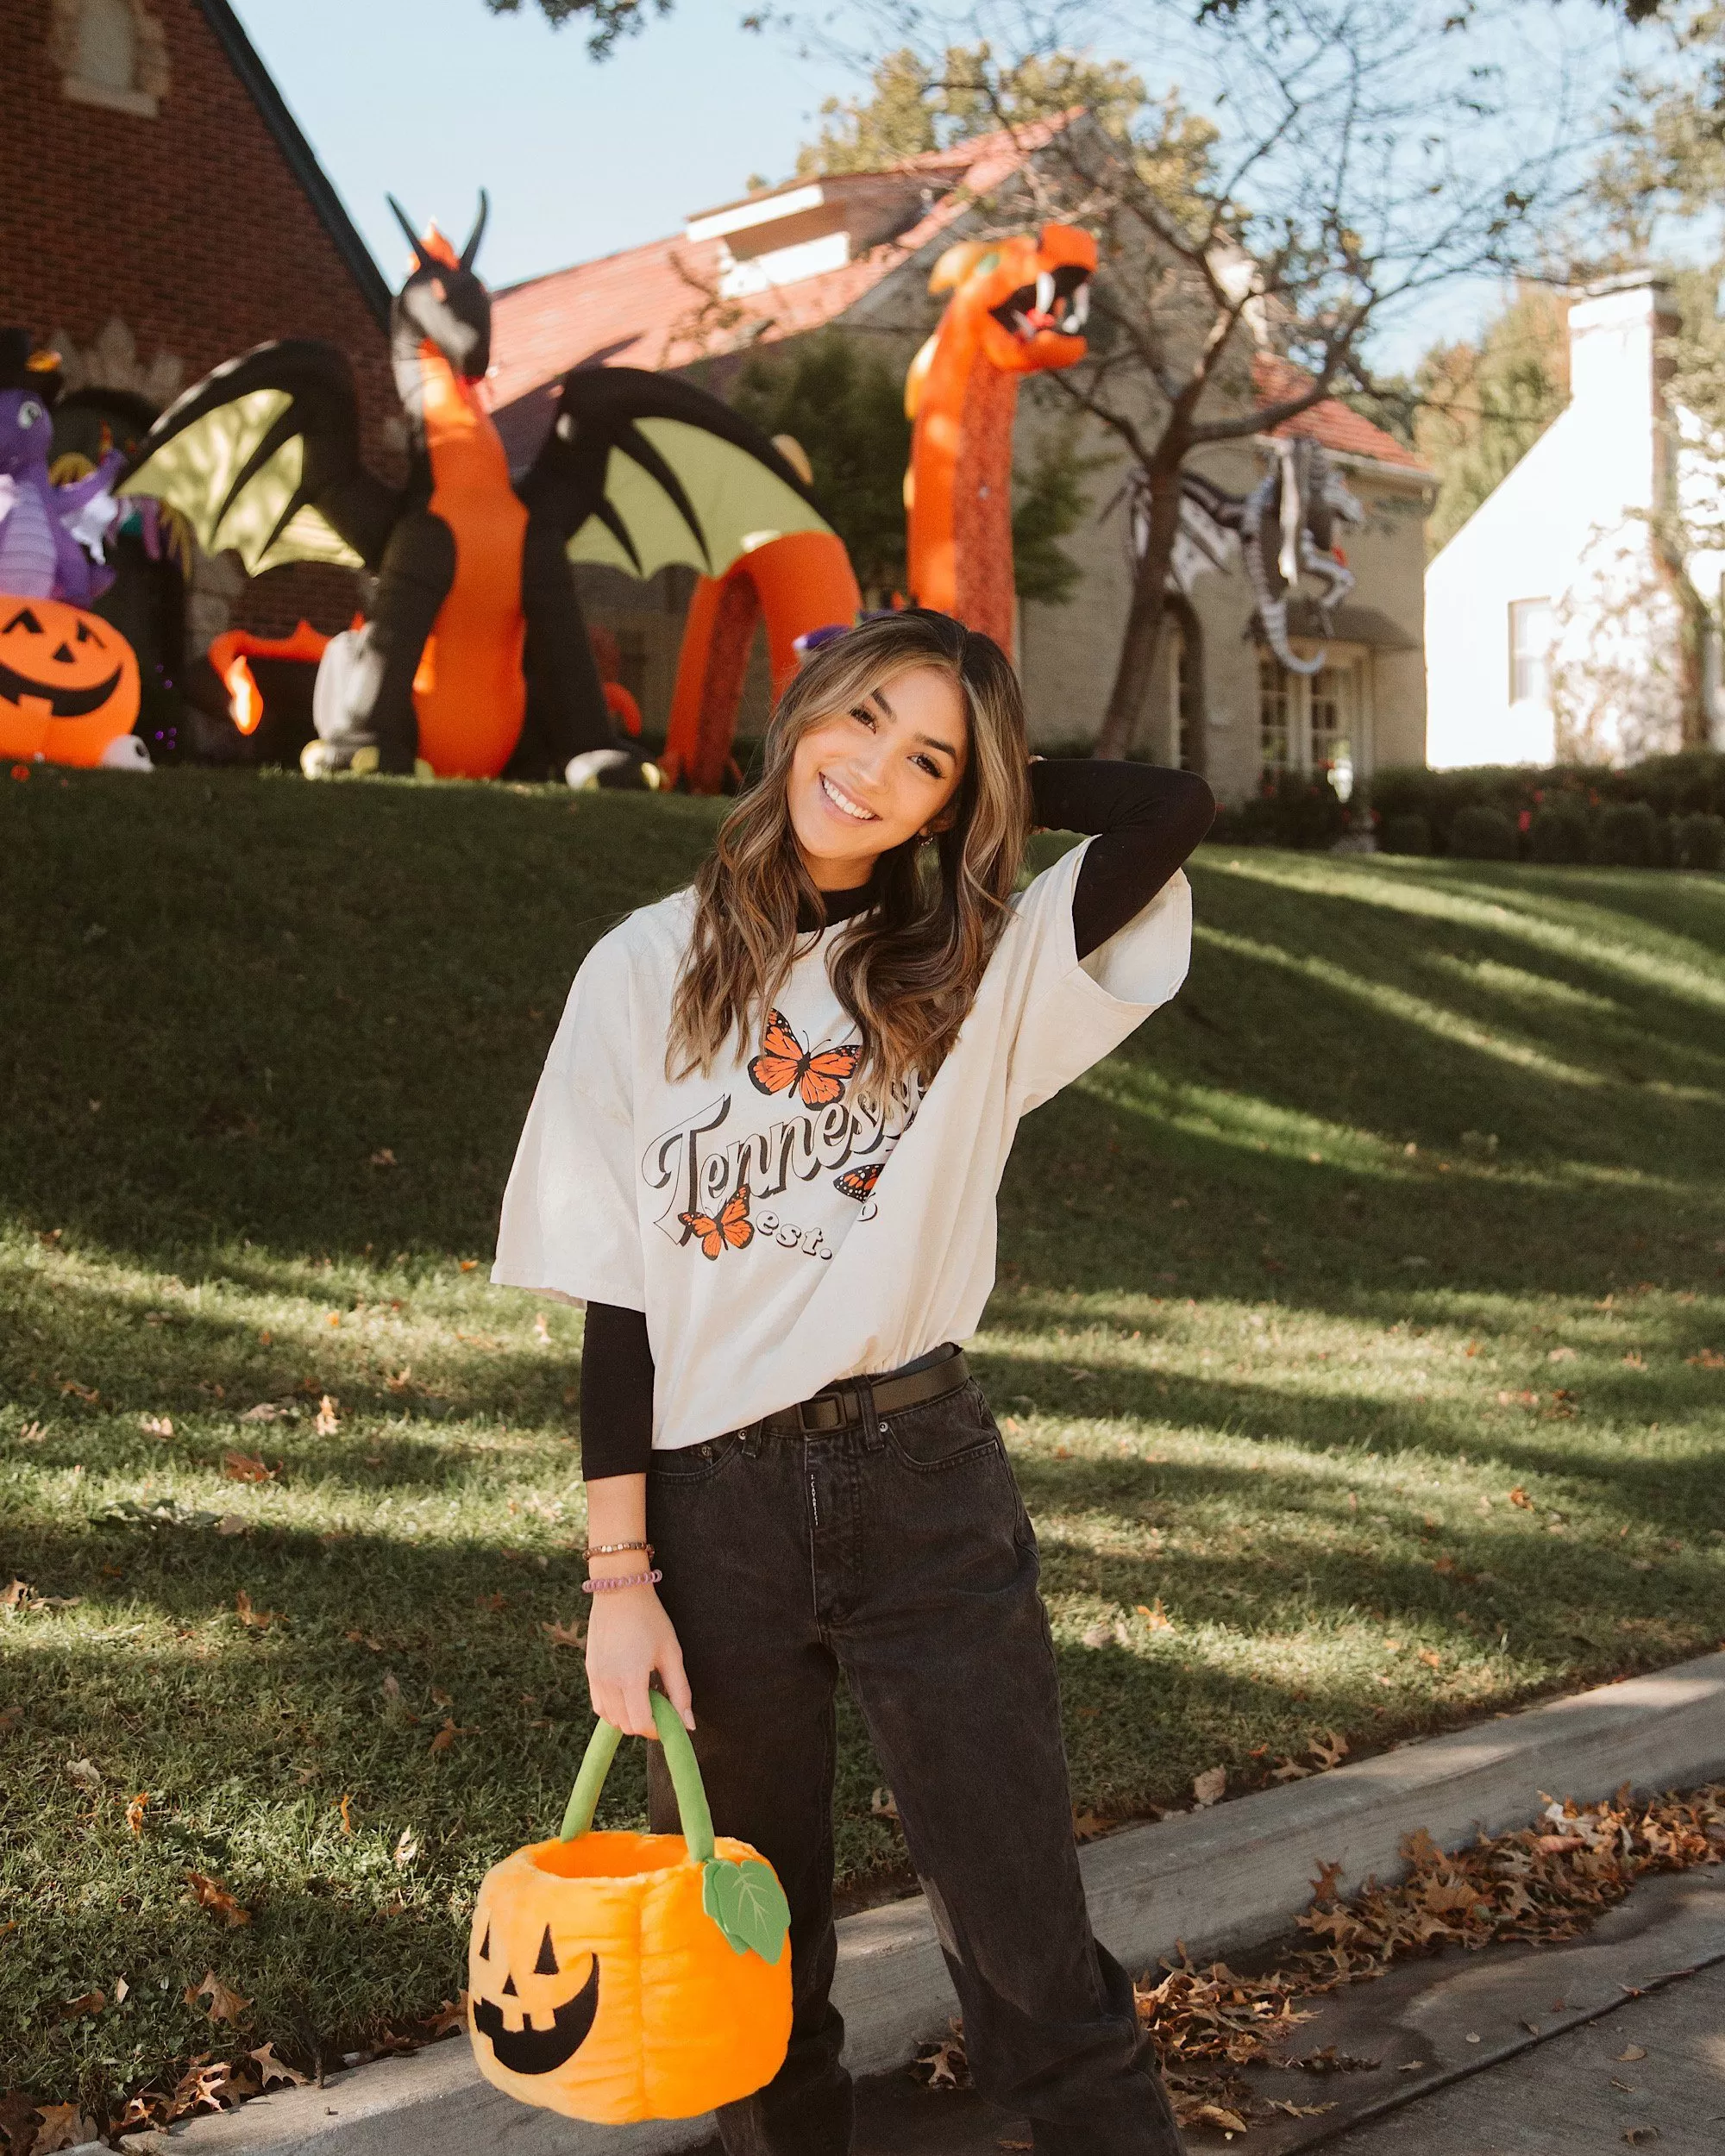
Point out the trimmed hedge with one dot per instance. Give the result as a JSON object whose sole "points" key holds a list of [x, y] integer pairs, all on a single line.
{"points": [[1668, 812], [1290, 810]]}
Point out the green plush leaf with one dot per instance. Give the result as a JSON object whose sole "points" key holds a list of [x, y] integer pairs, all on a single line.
{"points": [[748, 1904]]}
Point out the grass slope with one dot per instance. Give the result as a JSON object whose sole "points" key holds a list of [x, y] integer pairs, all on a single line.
{"points": [[1359, 1341]]}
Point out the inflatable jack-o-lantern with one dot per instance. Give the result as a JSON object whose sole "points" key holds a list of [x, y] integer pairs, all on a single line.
{"points": [[68, 682], [617, 1976]]}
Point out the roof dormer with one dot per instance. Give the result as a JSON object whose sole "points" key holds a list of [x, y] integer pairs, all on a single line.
{"points": [[808, 227]]}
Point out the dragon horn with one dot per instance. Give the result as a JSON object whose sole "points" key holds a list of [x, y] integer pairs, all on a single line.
{"points": [[478, 233], [406, 224]]}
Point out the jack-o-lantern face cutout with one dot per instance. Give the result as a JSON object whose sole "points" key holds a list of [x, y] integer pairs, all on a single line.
{"points": [[530, 2049], [68, 681], [72, 670]]}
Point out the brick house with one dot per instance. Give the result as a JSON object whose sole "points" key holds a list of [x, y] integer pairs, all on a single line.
{"points": [[159, 212], [853, 252]]}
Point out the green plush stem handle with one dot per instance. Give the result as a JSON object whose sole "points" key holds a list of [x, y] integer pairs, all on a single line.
{"points": [[680, 1758]]}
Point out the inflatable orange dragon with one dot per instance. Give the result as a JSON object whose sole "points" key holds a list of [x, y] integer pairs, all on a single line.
{"points": [[1019, 307]]}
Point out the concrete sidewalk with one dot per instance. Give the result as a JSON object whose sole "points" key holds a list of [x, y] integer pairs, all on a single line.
{"points": [[1651, 2073], [1216, 1880]]}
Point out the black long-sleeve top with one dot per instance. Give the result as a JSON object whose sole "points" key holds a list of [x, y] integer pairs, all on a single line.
{"points": [[1144, 822]]}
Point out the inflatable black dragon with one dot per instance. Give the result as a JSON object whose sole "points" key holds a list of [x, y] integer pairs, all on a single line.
{"points": [[474, 657]]}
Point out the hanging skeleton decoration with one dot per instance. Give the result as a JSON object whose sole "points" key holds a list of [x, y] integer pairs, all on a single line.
{"points": [[1284, 531]]}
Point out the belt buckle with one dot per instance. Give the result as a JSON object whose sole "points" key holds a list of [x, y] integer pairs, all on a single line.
{"points": [[843, 1403]]}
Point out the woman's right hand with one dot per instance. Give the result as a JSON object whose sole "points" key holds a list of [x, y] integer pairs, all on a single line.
{"points": [[629, 1637]]}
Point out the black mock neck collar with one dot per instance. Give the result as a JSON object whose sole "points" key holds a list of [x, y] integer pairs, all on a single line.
{"points": [[841, 905]]}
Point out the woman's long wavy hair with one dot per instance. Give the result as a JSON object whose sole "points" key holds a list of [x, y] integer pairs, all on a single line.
{"points": [[907, 970]]}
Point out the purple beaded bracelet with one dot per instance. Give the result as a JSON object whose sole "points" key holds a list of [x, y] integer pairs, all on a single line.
{"points": [[626, 1579]]}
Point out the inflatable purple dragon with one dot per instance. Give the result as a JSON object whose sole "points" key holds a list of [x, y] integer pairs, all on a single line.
{"points": [[50, 536]]}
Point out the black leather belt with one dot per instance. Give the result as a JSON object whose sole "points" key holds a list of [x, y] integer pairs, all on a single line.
{"points": [[834, 1406]]}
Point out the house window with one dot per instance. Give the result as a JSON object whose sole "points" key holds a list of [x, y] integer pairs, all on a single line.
{"points": [[110, 53], [1310, 722], [108, 45], [1329, 705], [1274, 713], [1530, 647]]}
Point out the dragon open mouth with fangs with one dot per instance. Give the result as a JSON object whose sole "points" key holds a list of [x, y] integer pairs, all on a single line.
{"points": [[1059, 301]]}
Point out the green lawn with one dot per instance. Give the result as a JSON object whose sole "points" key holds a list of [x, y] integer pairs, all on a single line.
{"points": [[1360, 1340]]}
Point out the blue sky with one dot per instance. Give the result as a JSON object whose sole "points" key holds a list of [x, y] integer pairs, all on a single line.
{"points": [[432, 99]]}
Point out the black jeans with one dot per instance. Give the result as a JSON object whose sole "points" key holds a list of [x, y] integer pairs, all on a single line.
{"points": [[898, 1552]]}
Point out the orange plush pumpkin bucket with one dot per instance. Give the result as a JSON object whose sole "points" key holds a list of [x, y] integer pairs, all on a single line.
{"points": [[617, 1976]]}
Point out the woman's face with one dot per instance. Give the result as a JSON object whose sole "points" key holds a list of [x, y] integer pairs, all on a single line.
{"points": [[866, 779]]}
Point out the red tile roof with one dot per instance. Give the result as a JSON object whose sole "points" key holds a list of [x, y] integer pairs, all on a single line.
{"points": [[655, 306], [1331, 424]]}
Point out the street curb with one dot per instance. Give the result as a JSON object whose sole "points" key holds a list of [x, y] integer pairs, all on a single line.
{"points": [[1216, 1880]]}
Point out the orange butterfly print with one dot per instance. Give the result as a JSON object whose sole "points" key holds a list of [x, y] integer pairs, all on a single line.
{"points": [[733, 1225], [784, 1062], [859, 1182]]}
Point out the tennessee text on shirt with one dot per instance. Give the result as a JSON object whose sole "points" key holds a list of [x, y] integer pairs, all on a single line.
{"points": [[705, 1165]]}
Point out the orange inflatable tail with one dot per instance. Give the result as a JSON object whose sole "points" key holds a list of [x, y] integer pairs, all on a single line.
{"points": [[794, 585]]}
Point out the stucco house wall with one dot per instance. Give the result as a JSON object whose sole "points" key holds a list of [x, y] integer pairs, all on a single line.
{"points": [[1558, 560]]}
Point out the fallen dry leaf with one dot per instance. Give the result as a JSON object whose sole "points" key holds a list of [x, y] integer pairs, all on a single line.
{"points": [[134, 1811], [1637, 2135], [246, 1467], [1709, 1359], [1431, 1657], [345, 1808], [87, 1394], [90, 2002], [384, 1157], [63, 2126], [206, 2084], [943, 2066], [254, 1619], [883, 1805], [271, 2069], [562, 1635], [327, 1420], [1208, 1786], [1086, 1824], [452, 1729], [400, 1382], [451, 2015], [225, 2004], [1519, 1497], [121, 1991], [406, 1848], [211, 1895], [1157, 1617], [86, 1774], [156, 1425], [1330, 1750], [232, 1523], [1627, 2058]]}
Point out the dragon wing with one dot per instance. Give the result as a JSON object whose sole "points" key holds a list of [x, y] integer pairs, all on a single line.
{"points": [[263, 455], [641, 469]]}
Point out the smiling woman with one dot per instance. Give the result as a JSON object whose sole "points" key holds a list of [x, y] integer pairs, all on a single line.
{"points": [[780, 1252]]}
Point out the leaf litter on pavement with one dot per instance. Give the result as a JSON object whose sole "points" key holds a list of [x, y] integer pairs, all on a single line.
{"points": [[1545, 1883]]}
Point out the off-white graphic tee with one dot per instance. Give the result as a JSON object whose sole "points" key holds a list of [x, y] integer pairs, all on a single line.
{"points": [[778, 1229]]}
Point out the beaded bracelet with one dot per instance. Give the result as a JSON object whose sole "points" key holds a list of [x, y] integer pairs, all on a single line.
{"points": [[611, 1549], [628, 1579]]}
